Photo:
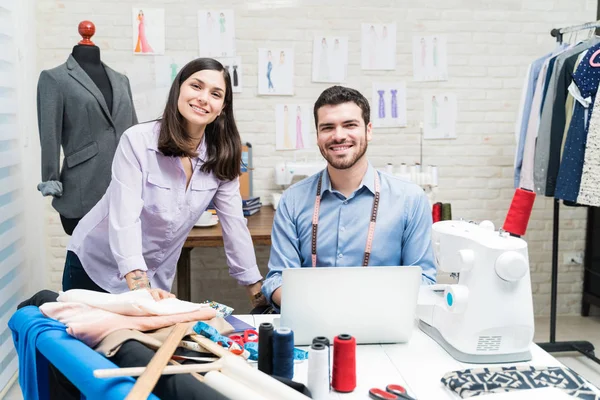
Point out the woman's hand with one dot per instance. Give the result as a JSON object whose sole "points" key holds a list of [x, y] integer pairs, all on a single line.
{"points": [[138, 279]]}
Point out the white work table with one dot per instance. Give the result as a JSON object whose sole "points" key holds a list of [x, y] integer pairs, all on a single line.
{"points": [[417, 365]]}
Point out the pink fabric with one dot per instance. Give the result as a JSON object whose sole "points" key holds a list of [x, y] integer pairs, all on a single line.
{"points": [[91, 325]]}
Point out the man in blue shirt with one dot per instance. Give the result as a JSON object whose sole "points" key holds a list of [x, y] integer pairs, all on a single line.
{"points": [[326, 220]]}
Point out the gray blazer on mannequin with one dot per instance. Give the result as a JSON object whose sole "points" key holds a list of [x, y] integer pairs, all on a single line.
{"points": [[72, 113]]}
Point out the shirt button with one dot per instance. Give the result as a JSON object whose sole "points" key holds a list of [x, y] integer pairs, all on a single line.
{"points": [[340, 255], [345, 202], [342, 229]]}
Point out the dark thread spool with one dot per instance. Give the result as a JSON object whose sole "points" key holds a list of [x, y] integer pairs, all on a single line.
{"points": [[323, 340], [519, 212], [343, 377], [283, 353], [265, 348], [446, 212]]}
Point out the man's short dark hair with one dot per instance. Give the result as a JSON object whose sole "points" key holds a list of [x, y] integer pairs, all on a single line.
{"points": [[338, 95]]}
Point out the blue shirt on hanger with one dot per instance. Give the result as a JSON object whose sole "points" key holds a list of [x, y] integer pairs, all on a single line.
{"points": [[402, 231]]}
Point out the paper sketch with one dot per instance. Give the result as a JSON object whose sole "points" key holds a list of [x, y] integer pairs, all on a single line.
{"points": [[148, 30], [167, 67], [378, 44], [293, 124], [234, 66], [330, 59], [275, 71], [440, 116], [388, 104], [430, 58], [216, 33]]}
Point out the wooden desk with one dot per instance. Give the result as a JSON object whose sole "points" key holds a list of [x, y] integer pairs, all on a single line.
{"points": [[259, 224]]}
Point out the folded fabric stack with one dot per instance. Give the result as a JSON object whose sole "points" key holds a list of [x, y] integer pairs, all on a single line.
{"points": [[91, 316], [251, 205]]}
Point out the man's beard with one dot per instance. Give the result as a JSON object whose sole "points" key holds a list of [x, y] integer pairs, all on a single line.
{"points": [[346, 162]]}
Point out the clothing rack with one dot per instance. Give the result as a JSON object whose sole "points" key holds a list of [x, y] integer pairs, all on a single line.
{"points": [[584, 347]]}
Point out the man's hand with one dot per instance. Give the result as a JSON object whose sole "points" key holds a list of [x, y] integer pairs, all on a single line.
{"points": [[138, 279], [254, 290]]}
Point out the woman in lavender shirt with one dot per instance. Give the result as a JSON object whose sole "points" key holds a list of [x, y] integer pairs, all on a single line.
{"points": [[164, 174]]}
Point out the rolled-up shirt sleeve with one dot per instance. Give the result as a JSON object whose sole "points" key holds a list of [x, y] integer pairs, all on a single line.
{"points": [[416, 240], [285, 246], [125, 207], [239, 248]]}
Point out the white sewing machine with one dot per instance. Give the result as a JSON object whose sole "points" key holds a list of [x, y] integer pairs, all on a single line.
{"points": [[487, 317], [286, 171]]}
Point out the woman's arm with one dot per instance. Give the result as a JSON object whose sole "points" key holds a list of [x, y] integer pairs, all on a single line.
{"points": [[236, 237]]}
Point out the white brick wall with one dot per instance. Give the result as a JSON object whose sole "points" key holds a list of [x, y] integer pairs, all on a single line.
{"points": [[489, 46]]}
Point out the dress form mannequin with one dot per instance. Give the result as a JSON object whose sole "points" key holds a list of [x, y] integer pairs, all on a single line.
{"points": [[84, 106], [87, 55]]}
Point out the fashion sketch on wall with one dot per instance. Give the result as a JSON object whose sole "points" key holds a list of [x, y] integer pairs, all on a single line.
{"points": [[166, 69], [293, 124], [234, 66], [216, 33], [148, 30], [275, 71], [330, 59], [378, 46], [388, 104], [430, 58], [440, 116]]}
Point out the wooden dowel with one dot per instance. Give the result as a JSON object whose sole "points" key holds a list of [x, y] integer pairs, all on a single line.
{"points": [[146, 382], [168, 370]]}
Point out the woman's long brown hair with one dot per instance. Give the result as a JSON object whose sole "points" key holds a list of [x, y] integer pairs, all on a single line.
{"points": [[223, 142]]}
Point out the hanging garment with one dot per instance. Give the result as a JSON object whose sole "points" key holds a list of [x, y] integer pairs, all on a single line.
{"points": [[589, 190], [586, 80], [561, 119], [535, 69], [394, 93], [542, 146], [381, 104]]}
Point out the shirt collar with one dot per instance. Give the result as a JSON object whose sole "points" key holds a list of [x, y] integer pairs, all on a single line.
{"points": [[201, 149], [368, 180]]}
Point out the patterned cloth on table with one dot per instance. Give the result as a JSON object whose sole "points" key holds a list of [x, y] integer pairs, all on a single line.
{"points": [[480, 381]]}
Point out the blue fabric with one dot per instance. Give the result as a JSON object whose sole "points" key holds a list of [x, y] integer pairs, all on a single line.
{"points": [[587, 79], [39, 339], [534, 74], [402, 233], [547, 81]]}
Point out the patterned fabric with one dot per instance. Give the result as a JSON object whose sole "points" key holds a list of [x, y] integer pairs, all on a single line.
{"points": [[589, 189], [479, 381]]}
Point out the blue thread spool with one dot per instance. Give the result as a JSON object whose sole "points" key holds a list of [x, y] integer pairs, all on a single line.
{"points": [[283, 353]]}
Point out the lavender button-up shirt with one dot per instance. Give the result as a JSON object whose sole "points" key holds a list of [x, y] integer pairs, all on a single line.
{"points": [[145, 215]]}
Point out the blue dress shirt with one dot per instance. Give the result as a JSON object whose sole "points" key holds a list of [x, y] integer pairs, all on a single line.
{"points": [[402, 232]]}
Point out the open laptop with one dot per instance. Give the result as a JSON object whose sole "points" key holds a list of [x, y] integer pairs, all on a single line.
{"points": [[373, 304]]}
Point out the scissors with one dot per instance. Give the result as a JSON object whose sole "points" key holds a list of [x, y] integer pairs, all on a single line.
{"points": [[249, 336], [391, 392]]}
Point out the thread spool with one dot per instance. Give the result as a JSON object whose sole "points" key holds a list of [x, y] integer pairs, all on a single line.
{"points": [[323, 340], [283, 353], [434, 175], [389, 168], [343, 376], [265, 348], [318, 371], [519, 212], [436, 212], [403, 169], [446, 212]]}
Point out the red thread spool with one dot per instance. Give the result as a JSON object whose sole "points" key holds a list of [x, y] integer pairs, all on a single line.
{"points": [[519, 212], [343, 376], [436, 212]]}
